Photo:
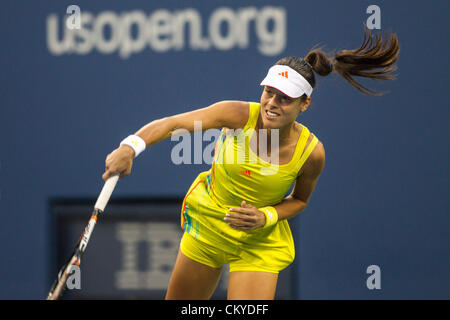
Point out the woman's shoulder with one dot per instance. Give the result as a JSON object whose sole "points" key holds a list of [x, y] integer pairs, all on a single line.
{"points": [[246, 114], [235, 113], [315, 156], [316, 160], [312, 135]]}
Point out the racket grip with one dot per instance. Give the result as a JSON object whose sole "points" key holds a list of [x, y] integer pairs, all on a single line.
{"points": [[106, 192]]}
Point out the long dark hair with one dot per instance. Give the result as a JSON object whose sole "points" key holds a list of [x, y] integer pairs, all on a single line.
{"points": [[375, 59]]}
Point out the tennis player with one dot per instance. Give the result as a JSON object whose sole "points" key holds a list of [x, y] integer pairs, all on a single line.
{"points": [[236, 213]]}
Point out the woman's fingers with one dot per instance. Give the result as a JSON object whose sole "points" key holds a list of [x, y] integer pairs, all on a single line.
{"points": [[243, 217], [109, 173], [241, 225], [240, 221], [118, 161], [124, 174], [246, 218], [243, 210], [106, 175]]}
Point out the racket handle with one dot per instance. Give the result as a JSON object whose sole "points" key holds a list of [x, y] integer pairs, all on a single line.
{"points": [[106, 192]]}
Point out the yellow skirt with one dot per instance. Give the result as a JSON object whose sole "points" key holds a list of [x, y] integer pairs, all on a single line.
{"points": [[208, 239]]}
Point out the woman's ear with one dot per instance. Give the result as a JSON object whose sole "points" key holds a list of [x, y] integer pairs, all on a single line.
{"points": [[305, 104]]}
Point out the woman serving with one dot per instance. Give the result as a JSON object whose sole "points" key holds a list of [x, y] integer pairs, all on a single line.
{"points": [[236, 213]]}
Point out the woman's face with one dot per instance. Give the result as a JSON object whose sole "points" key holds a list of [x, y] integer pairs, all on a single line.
{"points": [[279, 110]]}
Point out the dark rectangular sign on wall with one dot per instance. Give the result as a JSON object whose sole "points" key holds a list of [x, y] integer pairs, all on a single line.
{"points": [[132, 250]]}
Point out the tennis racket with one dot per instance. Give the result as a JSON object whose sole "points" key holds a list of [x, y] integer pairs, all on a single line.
{"points": [[59, 285]]}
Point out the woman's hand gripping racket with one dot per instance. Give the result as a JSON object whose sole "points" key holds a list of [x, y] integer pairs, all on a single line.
{"points": [[59, 285]]}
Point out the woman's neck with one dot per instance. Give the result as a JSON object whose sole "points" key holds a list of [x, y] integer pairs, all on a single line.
{"points": [[285, 134]]}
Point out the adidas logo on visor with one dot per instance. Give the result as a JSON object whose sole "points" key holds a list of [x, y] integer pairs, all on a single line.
{"points": [[291, 83]]}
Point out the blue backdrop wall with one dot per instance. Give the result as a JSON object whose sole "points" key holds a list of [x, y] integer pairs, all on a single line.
{"points": [[67, 100]]}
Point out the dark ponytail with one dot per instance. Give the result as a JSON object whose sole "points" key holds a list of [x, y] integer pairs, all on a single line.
{"points": [[375, 59]]}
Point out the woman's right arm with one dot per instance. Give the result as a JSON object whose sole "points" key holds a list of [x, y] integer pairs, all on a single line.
{"points": [[230, 114]]}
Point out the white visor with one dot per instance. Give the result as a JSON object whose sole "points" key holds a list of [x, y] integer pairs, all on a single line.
{"points": [[288, 81]]}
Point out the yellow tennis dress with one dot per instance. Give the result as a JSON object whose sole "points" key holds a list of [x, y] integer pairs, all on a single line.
{"points": [[238, 174]]}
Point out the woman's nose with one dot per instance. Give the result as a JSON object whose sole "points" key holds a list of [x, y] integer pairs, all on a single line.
{"points": [[273, 100]]}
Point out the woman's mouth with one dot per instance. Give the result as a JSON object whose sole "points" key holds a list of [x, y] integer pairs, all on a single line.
{"points": [[271, 115]]}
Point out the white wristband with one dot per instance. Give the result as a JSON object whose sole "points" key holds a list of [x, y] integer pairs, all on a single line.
{"points": [[271, 216], [137, 143]]}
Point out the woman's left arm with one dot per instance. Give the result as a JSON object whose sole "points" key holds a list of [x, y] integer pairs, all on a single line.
{"points": [[304, 185], [248, 217]]}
